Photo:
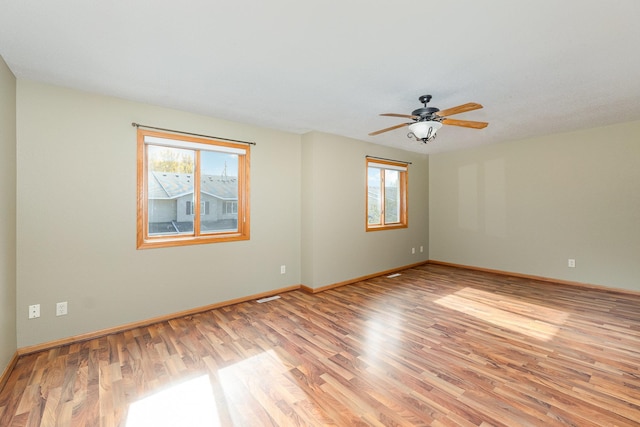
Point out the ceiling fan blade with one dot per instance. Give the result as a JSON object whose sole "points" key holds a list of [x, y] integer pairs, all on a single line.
{"points": [[388, 129], [459, 109], [465, 123], [406, 116]]}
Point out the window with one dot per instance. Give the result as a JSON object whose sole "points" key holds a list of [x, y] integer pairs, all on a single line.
{"points": [[386, 195], [204, 208], [230, 207], [176, 174]]}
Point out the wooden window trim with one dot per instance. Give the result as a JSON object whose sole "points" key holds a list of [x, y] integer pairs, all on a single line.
{"points": [[144, 241], [404, 191]]}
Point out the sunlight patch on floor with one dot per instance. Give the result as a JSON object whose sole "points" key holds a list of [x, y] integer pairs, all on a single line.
{"points": [[190, 403], [533, 320], [266, 378], [382, 331]]}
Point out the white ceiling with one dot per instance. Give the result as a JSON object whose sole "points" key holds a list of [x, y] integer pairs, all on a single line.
{"points": [[538, 67]]}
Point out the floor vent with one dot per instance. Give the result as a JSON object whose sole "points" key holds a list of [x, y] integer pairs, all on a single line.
{"points": [[267, 299]]}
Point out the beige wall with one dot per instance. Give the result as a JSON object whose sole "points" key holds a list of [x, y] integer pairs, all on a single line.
{"points": [[335, 246], [523, 206], [8, 341], [76, 226], [528, 206]]}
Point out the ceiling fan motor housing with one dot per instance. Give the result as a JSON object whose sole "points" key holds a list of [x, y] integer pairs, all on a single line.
{"points": [[425, 112]]}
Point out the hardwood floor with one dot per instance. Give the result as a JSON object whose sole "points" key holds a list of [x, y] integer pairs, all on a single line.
{"points": [[435, 346]]}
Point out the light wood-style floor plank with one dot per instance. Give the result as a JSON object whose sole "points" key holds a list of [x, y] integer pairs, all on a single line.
{"points": [[435, 346]]}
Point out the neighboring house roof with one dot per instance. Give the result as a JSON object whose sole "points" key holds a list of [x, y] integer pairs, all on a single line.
{"points": [[222, 187], [166, 185]]}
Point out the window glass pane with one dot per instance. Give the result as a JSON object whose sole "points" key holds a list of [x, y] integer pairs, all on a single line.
{"points": [[391, 196], [219, 191], [170, 190], [374, 195]]}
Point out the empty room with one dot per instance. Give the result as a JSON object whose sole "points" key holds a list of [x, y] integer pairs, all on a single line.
{"points": [[284, 213]]}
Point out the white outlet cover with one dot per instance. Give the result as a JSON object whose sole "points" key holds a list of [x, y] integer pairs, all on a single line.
{"points": [[34, 311], [61, 308]]}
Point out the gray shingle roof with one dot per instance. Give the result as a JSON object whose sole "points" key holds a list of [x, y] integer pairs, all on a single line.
{"points": [[166, 185]]}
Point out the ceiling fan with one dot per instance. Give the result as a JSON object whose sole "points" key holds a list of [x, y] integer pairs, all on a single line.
{"points": [[427, 120]]}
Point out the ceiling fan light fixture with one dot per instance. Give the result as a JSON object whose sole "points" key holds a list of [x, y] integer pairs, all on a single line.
{"points": [[424, 131]]}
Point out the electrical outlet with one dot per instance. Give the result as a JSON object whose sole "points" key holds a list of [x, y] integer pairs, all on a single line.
{"points": [[34, 311], [421, 249], [283, 269], [571, 263], [413, 250], [61, 308]]}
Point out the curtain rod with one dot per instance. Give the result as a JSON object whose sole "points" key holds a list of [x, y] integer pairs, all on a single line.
{"points": [[138, 125], [391, 160]]}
